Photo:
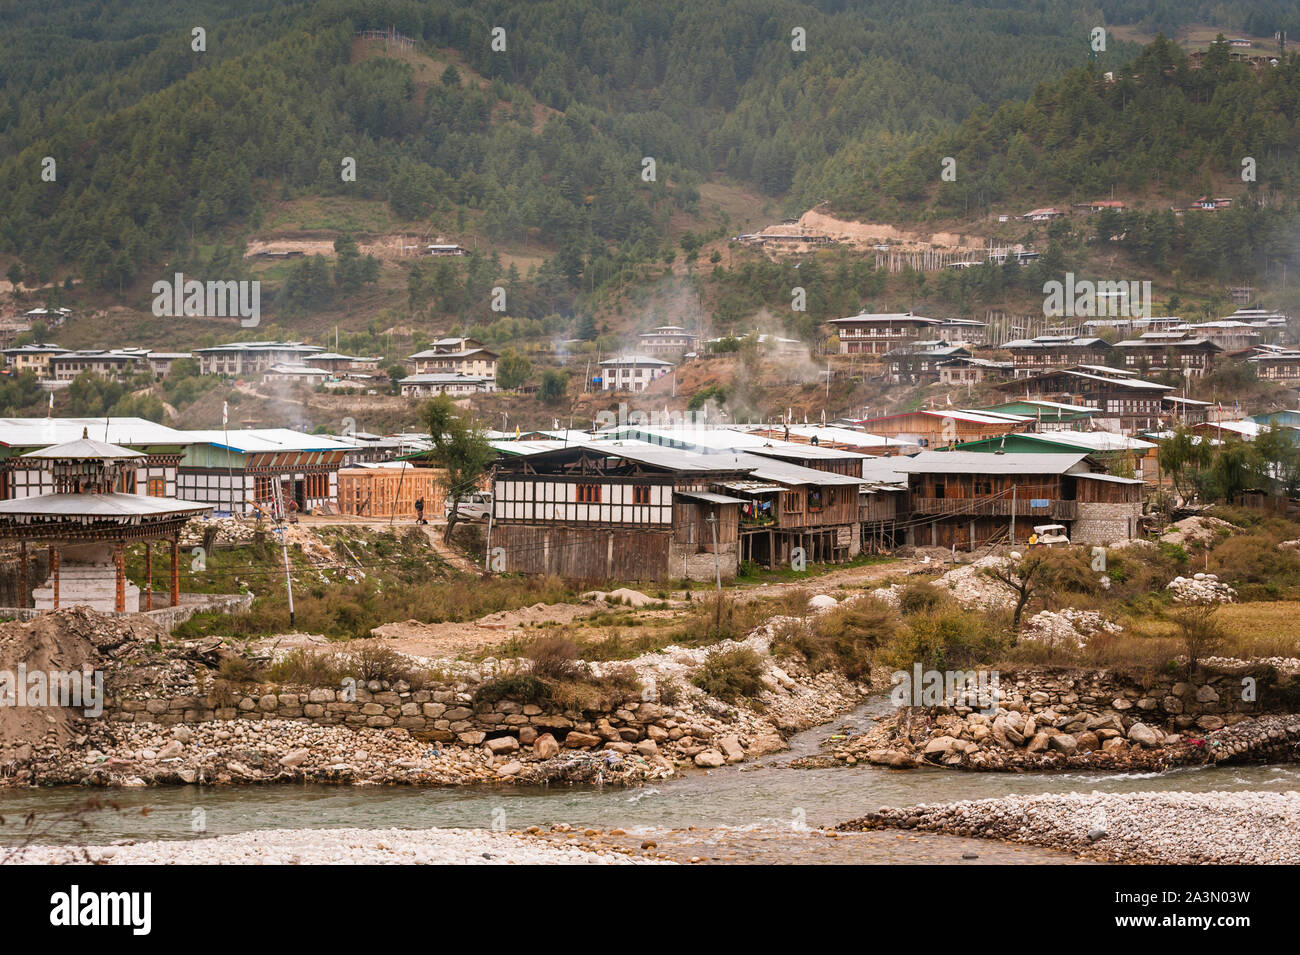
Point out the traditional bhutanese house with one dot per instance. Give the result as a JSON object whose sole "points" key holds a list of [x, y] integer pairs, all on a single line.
{"points": [[87, 524], [33, 358], [1168, 351], [1124, 402], [1118, 453], [235, 471], [1048, 415], [427, 385], [154, 474], [822, 530], [911, 365], [456, 356], [929, 429], [670, 341], [339, 365], [967, 370], [296, 374], [623, 510], [1033, 355], [1281, 364], [632, 372], [966, 499], [878, 333], [248, 358], [390, 489], [962, 331], [114, 365], [1232, 335]]}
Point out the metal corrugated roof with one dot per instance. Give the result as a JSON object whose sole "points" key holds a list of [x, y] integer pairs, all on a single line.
{"points": [[977, 462], [106, 506], [1112, 478], [254, 440], [709, 497], [43, 432]]}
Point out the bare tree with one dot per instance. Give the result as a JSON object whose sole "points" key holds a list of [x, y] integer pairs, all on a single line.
{"points": [[1022, 578]]}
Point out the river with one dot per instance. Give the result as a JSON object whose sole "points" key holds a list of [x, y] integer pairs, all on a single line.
{"points": [[767, 796]]}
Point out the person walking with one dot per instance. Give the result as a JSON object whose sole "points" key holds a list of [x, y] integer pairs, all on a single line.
{"points": [[419, 511]]}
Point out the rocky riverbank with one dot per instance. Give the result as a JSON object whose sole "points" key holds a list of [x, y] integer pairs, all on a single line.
{"points": [[384, 732], [1088, 720], [1154, 827], [337, 847]]}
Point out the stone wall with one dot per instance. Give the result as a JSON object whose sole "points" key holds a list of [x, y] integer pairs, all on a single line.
{"points": [[442, 715], [1103, 524]]}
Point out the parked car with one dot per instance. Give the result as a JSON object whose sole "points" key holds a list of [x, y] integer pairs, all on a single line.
{"points": [[1050, 535], [472, 507]]}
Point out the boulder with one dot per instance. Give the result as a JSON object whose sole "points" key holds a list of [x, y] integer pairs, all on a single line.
{"points": [[710, 759], [545, 746], [1145, 735]]}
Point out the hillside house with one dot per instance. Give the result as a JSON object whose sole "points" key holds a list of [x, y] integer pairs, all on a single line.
{"points": [[1124, 402], [33, 358], [1276, 365], [667, 341], [632, 372], [456, 356], [967, 370], [1232, 335], [456, 385], [251, 358], [114, 365], [913, 364], [879, 333], [1175, 351], [1030, 356]]}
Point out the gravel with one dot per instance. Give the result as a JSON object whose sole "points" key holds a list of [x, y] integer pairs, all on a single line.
{"points": [[1160, 827], [335, 847]]}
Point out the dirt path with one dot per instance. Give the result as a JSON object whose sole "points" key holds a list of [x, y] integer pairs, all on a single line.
{"points": [[845, 577]]}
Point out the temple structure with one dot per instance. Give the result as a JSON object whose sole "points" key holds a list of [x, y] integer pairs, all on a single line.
{"points": [[87, 524]]}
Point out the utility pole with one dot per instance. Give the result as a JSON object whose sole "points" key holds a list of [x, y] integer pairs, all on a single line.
{"points": [[1013, 515], [712, 521], [283, 527]]}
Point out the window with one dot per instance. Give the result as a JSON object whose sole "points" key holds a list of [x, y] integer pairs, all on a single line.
{"points": [[126, 482], [640, 494], [588, 493], [792, 502], [157, 487], [939, 488], [983, 486]]}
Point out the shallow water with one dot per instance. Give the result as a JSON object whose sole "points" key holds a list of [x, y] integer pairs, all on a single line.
{"points": [[768, 796]]}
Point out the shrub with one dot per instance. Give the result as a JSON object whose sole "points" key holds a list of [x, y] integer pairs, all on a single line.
{"points": [[731, 674], [554, 658], [378, 662], [949, 638], [520, 687], [845, 637], [310, 669], [238, 670], [1256, 559], [921, 597]]}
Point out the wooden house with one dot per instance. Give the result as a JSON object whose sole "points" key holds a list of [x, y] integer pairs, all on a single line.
{"points": [[616, 510], [1124, 402], [967, 499], [878, 333], [934, 428]]}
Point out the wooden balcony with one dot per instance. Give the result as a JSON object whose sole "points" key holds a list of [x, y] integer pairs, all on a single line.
{"points": [[995, 507]]}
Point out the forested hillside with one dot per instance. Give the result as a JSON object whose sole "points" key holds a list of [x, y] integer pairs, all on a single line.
{"points": [[168, 156]]}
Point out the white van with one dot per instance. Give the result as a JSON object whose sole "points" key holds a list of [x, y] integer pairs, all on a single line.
{"points": [[472, 507]]}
